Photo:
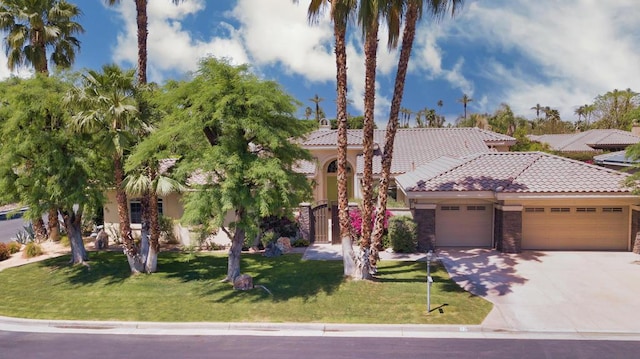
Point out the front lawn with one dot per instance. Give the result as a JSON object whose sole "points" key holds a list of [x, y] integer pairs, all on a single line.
{"points": [[187, 288]]}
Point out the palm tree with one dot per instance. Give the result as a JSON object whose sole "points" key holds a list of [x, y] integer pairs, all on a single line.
{"points": [[105, 106], [340, 10], [464, 100], [149, 213], [316, 100], [414, 9], [35, 26], [538, 109]]}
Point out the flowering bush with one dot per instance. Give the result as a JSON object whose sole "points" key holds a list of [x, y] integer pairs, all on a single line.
{"points": [[355, 216]]}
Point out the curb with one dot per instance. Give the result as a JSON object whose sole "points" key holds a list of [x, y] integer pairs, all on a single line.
{"points": [[296, 330]]}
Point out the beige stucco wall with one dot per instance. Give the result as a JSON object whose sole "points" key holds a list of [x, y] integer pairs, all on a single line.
{"points": [[324, 157]]}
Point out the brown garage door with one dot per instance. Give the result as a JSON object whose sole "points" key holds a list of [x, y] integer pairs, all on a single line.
{"points": [[461, 225], [575, 228]]}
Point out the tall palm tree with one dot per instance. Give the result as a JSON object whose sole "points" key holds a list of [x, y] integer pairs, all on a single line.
{"points": [[35, 26], [414, 10], [316, 100], [538, 109], [32, 28], [341, 11], [149, 213], [105, 106], [464, 100]]}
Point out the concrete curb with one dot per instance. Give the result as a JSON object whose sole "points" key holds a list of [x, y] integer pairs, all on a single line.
{"points": [[295, 329]]}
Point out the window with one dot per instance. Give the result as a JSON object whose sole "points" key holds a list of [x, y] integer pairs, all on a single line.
{"points": [[135, 210], [612, 210], [585, 210], [534, 210], [450, 208], [560, 210], [476, 208], [333, 167]]}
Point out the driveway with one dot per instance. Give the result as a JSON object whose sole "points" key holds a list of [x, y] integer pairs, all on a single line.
{"points": [[552, 291]]}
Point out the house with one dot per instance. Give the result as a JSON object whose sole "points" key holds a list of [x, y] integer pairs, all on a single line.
{"points": [[412, 148], [516, 201], [616, 160], [591, 142]]}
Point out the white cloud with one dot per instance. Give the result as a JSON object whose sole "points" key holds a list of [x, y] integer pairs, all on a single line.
{"points": [[577, 49]]}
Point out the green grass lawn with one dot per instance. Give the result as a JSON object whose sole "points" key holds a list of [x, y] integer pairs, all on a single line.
{"points": [[187, 288]]}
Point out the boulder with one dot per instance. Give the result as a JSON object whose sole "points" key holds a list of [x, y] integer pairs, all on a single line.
{"points": [[243, 282], [284, 244], [102, 240]]}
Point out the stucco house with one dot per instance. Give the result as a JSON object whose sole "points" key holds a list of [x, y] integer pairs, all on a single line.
{"points": [[518, 201], [591, 142]]}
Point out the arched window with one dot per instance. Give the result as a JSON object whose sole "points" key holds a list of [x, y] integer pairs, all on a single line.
{"points": [[333, 167]]}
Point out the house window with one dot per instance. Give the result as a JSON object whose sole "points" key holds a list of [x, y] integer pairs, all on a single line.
{"points": [[560, 210], [612, 209], [585, 210], [534, 210], [476, 208], [450, 208], [135, 210], [333, 167]]}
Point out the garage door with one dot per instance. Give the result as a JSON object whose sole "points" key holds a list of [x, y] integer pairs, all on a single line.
{"points": [[575, 228], [464, 225]]}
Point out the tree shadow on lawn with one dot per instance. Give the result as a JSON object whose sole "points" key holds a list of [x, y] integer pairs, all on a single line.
{"points": [[286, 277], [482, 271], [112, 268]]}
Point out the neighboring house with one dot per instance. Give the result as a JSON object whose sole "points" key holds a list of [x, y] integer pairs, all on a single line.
{"points": [[617, 161], [592, 142], [521, 201]]}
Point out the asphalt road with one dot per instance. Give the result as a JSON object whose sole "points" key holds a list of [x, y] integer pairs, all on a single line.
{"points": [[52, 346], [9, 228]]}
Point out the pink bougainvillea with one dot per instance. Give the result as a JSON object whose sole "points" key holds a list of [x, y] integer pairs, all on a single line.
{"points": [[356, 220]]}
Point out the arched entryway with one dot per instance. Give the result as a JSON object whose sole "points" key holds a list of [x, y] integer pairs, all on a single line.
{"points": [[331, 191], [331, 181]]}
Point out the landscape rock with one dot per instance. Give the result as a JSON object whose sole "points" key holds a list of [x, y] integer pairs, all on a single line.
{"points": [[243, 282], [284, 244]]}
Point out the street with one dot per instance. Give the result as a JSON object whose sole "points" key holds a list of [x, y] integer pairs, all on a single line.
{"points": [[9, 228], [52, 346]]}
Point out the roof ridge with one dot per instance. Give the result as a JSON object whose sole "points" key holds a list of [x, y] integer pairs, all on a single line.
{"points": [[526, 166]]}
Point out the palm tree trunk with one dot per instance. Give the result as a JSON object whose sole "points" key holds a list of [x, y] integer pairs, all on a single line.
{"points": [[392, 125], [39, 229], [142, 21], [133, 257], [154, 238], [54, 231], [341, 112], [371, 49]]}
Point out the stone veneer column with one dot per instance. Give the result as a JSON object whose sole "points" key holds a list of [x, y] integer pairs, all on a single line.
{"points": [[305, 222], [509, 219], [635, 229], [425, 217]]}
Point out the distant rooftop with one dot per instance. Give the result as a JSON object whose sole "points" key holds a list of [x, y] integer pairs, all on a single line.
{"points": [[588, 141]]}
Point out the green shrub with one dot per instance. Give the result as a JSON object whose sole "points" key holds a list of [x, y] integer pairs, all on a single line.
{"points": [[403, 234], [386, 242], [64, 240], [4, 252], [301, 242], [14, 247], [166, 230], [32, 249]]}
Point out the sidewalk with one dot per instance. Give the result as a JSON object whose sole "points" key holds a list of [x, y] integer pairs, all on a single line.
{"points": [[492, 328]]}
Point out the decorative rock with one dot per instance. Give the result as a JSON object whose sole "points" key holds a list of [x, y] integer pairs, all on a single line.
{"points": [[284, 244], [243, 282], [102, 240], [272, 250]]}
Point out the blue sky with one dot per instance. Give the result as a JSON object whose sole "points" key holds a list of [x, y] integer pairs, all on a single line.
{"points": [[560, 54]]}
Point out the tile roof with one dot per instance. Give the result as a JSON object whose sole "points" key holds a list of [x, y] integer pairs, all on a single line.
{"points": [[514, 172], [588, 141], [416, 146], [618, 158]]}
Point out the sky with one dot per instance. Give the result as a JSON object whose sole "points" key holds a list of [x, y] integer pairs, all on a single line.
{"points": [[554, 53]]}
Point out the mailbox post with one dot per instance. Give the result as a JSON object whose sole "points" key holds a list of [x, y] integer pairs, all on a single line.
{"points": [[429, 280]]}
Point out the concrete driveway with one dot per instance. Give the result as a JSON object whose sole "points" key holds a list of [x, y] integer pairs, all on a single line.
{"points": [[552, 291]]}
